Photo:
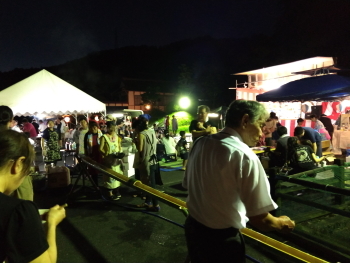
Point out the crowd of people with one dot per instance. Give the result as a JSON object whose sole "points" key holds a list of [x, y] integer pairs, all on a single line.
{"points": [[238, 193], [303, 151]]}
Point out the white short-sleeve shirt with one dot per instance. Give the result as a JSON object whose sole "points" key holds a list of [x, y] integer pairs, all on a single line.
{"points": [[226, 182]]}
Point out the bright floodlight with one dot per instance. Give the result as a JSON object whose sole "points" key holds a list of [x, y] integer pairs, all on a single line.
{"points": [[184, 102]]}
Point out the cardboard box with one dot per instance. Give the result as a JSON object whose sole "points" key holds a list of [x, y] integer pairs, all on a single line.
{"points": [[129, 159], [58, 176], [129, 172]]}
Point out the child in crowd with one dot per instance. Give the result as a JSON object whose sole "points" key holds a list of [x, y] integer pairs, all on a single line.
{"points": [[182, 149]]}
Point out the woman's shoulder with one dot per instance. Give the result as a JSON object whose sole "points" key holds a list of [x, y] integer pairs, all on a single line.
{"points": [[147, 132], [11, 205]]}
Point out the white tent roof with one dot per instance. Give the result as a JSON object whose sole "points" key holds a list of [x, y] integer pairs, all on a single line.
{"points": [[44, 93]]}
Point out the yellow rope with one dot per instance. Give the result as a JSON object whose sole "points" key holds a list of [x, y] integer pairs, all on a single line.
{"points": [[293, 252]]}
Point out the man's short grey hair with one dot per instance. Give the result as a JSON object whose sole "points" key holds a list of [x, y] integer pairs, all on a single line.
{"points": [[201, 107], [238, 108]]}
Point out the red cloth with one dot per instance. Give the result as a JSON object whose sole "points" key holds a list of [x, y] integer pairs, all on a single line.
{"points": [[331, 109], [28, 127], [95, 154]]}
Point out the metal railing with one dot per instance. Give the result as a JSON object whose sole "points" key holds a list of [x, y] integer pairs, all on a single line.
{"points": [[311, 200], [291, 251]]}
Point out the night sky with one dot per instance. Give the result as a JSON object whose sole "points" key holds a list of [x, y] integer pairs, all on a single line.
{"points": [[40, 33]]}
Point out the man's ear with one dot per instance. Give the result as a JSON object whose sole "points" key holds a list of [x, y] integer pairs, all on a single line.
{"points": [[17, 165], [244, 121]]}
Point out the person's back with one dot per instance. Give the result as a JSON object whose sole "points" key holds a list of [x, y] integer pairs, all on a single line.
{"points": [[227, 186], [150, 143], [170, 145], [327, 124], [281, 147], [311, 134], [315, 138], [29, 129], [20, 217], [302, 159], [22, 237], [228, 153], [36, 126]]}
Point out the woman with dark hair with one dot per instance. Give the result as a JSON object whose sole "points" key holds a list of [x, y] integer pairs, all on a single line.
{"points": [[320, 127], [110, 146], [269, 128], [6, 117], [92, 147], [50, 144], [301, 157], [22, 236], [25, 190], [146, 144]]}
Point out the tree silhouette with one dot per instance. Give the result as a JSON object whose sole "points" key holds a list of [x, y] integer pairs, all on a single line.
{"points": [[185, 80], [151, 96]]}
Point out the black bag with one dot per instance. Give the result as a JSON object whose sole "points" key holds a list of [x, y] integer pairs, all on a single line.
{"points": [[157, 176], [153, 158], [119, 155]]}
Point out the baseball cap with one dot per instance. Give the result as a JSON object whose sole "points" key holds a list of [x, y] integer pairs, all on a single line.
{"points": [[146, 116]]}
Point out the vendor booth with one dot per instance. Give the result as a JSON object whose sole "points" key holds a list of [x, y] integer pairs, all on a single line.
{"points": [[320, 88], [325, 94]]}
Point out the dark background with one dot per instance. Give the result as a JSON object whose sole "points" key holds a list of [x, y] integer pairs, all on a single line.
{"points": [[108, 47]]}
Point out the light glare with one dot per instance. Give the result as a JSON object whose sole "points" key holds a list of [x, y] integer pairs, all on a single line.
{"points": [[184, 102]]}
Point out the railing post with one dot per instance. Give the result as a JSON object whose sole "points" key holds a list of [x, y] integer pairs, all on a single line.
{"points": [[339, 174], [274, 184]]}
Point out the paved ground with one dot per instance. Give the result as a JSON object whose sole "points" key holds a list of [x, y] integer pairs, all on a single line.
{"points": [[100, 231]]}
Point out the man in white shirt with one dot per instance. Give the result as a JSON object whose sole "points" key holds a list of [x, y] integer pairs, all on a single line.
{"points": [[169, 143], [63, 130], [227, 187], [42, 126]]}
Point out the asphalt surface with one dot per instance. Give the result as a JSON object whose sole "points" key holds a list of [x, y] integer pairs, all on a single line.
{"points": [[96, 230]]}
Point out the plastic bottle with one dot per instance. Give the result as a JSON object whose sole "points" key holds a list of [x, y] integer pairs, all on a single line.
{"points": [[74, 146]]}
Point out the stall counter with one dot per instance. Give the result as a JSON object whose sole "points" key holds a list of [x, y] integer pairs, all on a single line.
{"points": [[341, 140]]}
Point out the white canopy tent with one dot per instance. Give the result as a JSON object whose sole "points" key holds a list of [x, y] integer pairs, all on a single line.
{"points": [[44, 93]]}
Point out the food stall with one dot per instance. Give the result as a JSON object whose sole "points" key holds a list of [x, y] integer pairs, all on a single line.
{"points": [[341, 136], [329, 92]]}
